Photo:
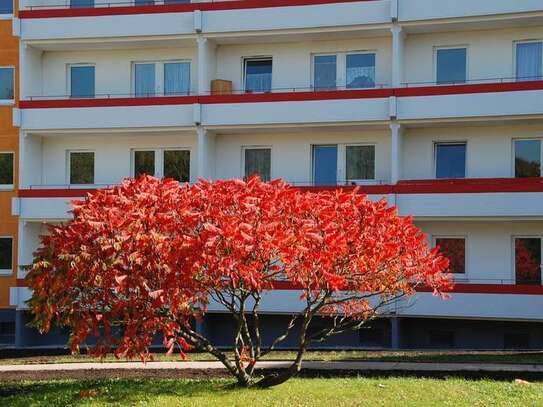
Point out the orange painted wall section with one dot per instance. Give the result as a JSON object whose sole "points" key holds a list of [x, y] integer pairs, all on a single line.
{"points": [[9, 142]]}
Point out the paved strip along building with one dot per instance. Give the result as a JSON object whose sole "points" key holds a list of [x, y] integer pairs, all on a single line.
{"points": [[437, 106]]}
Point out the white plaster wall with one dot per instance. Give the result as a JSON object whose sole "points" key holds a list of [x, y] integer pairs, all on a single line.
{"points": [[30, 159], [490, 52], [291, 152], [292, 62], [113, 69], [31, 71], [489, 149]]}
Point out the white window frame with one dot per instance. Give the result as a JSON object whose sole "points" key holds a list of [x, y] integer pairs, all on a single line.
{"points": [[69, 76], [513, 254], [256, 147], [8, 272], [445, 47], [513, 156], [342, 165], [159, 159], [68, 167], [9, 102], [159, 74], [457, 276], [9, 187], [8, 16], [244, 69], [436, 142], [341, 66], [515, 43]]}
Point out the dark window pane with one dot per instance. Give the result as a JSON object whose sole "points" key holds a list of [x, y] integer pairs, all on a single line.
{"points": [[325, 165], [177, 165], [516, 341], [258, 162], [527, 158], [144, 2], [372, 337], [360, 70], [444, 339], [176, 78], [6, 7], [528, 260], [450, 160], [6, 168], [144, 163], [529, 61], [258, 75], [455, 250], [360, 162], [6, 84], [82, 81], [6, 253], [82, 168], [81, 3], [325, 74], [145, 84], [176, 1], [451, 65]]}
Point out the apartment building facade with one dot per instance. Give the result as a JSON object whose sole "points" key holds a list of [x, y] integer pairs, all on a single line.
{"points": [[436, 107]]}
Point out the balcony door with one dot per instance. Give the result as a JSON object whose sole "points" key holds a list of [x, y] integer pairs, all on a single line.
{"points": [[325, 165]]}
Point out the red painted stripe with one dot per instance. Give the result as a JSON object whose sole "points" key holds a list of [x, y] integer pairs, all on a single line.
{"points": [[175, 8], [54, 193], [285, 96]]}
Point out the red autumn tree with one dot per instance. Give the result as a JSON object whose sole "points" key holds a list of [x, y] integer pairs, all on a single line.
{"points": [[146, 258]]}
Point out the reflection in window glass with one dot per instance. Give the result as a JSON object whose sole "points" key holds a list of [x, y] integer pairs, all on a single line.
{"points": [[144, 163], [527, 158], [258, 75], [455, 250], [177, 165], [528, 260], [7, 84], [325, 72], [81, 168], [450, 160], [258, 162], [82, 81], [6, 168], [360, 162], [6, 253], [360, 71], [529, 61], [451, 65]]}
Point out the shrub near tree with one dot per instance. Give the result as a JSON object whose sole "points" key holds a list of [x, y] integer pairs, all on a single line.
{"points": [[146, 258]]}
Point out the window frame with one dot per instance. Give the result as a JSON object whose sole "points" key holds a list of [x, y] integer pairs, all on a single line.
{"points": [[159, 75], [515, 43], [8, 16], [159, 159], [342, 164], [69, 78], [9, 102], [257, 147], [341, 66], [514, 154], [457, 276], [436, 143], [244, 70], [437, 48], [8, 272], [9, 187], [69, 167], [513, 255]]}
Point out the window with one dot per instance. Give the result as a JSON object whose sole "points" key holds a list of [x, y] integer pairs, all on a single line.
{"points": [[325, 165], [6, 255], [81, 3], [82, 81], [372, 337], [441, 339], [360, 162], [454, 248], [157, 78], [144, 2], [7, 83], [258, 74], [516, 341], [257, 161], [450, 160], [162, 163], [527, 158], [528, 260], [344, 70], [81, 167], [529, 61], [6, 7], [6, 170], [451, 65]]}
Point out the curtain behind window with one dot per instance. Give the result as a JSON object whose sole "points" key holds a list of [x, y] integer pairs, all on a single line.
{"points": [[325, 72], [177, 78], [145, 80], [360, 71], [360, 162], [258, 162], [529, 61]]}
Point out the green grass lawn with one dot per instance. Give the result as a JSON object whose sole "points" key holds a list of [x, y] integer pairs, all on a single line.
{"points": [[384, 356], [297, 392]]}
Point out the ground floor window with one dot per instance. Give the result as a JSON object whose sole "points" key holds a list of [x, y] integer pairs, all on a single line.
{"points": [[257, 161], [162, 163], [528, 260], [441, 338]]}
